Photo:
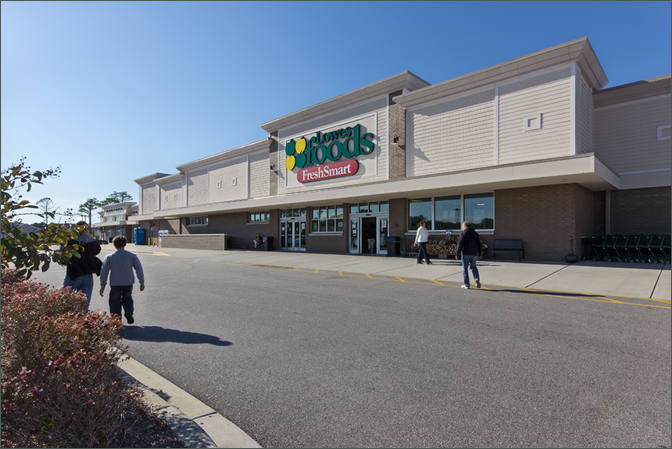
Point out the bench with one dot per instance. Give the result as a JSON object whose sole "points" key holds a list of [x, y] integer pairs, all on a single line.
{"points": [[508, 246]]}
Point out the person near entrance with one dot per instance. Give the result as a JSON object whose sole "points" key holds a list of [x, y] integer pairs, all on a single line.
{"points": [[119, 266], [469, 246], [421, 239]]}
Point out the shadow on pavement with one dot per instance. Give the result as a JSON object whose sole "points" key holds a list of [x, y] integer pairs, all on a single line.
{"points": [[161, 334], [544, 292]]}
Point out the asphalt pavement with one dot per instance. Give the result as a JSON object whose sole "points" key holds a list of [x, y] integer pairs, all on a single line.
{"points": [[296, 358]]}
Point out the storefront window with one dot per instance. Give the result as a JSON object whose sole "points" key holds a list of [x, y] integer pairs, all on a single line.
{"points": [[419, 210], [197, 221], [373, 207], [447, 213], [479, 209], [384, 207], [327, 219], [258, 217], [364, 208]]}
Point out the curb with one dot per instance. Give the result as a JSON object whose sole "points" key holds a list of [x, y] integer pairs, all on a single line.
{"points": [[195, 423]]}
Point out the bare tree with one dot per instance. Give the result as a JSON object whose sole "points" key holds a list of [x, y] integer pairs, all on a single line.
{"points": [[48, 208]]}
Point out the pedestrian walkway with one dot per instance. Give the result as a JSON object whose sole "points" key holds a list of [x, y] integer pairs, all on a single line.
{"points": [[602, 278]]}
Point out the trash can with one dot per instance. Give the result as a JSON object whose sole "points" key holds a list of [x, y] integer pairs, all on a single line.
{"points": [[268, 243], [139, 236], [393, 244]]}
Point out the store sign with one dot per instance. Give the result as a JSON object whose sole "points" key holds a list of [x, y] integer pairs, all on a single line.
{"points": [[348, 143], [328, 171]]}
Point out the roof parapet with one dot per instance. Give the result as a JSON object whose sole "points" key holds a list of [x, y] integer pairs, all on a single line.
{"points": [[578, 51], [404, 80]]}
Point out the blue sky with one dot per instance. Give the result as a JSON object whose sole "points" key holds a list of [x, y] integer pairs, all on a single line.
{"points": [[114, 91]]}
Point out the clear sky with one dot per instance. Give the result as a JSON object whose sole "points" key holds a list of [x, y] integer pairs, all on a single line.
{"points": [[114, 91]]}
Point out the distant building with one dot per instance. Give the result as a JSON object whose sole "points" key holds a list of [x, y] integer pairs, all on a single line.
{"points": [[116, 219]]}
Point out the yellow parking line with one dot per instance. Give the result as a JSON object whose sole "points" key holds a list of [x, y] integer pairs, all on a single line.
{"points": [[400, 279], [368, 276], [340, 273], [438, 283], [316, 270]]}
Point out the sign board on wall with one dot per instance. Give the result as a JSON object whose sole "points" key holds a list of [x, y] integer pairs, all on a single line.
{"points": [[344, 150]]}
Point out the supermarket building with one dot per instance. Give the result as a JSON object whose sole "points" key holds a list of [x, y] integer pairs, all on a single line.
{"points": [[534, 148]]}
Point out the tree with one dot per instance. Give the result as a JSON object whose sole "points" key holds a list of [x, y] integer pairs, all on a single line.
{"points": [[34, 250], [47, 207], [88, 206], [117, 197]]}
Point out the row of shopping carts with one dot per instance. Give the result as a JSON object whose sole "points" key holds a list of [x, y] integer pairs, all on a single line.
{"points": [[645, 248]]}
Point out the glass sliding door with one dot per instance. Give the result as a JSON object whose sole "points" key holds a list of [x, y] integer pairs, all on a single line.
{"points": [[383, 224], [369, 228], [293, 229], [354, 234]]}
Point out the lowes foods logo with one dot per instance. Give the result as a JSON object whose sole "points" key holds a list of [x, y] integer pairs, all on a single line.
{"points": [[346, 143]]}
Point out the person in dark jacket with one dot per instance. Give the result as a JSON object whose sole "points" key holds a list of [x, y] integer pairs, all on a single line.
{"points": [[79, 272], [469, 246]]}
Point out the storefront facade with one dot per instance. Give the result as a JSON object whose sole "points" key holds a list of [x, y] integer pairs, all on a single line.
{"points": [[533, 149]]}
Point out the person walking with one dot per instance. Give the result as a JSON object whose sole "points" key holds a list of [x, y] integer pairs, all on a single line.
{"points": [[421, 239], [469, 246], [119, 265], [80, 270]]}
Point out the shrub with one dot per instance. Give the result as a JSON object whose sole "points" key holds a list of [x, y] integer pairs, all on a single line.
{"points": [[59, 380], [23, 305]]}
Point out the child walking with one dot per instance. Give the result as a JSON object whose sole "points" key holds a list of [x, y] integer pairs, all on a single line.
{"points": [[119, 265]]}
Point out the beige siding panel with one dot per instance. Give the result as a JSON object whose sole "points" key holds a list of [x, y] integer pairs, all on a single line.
{"points": [[453, 135], [172, 195], [626, 136], [228, 180], [148, 199], [197, 182], [584, 116], [547, 94], [259, 174]]}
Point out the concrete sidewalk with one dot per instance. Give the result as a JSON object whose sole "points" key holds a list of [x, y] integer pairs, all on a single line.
{"points": [[602, 278]]}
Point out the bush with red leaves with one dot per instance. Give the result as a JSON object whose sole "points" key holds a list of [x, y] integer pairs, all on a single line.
{"points": [[59, 384]]}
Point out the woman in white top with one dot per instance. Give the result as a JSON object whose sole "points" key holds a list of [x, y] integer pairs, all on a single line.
{"points": [[421, 238]]}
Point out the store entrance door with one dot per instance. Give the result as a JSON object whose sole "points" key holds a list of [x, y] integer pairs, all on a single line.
{"points": [[369, 235], [369, 228], [293, 229]]}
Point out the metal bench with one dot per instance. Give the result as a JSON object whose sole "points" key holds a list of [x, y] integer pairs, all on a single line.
{"points": [[508, 246]]}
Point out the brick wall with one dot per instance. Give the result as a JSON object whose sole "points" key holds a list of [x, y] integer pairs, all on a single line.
{"points": [[194, 241], [548, 218], [397, 129], [640, 211], [273, 161], [236, 226]]}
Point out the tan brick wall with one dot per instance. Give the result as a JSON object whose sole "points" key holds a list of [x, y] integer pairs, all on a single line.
{"points": [[640, 211], [216, 242], [273, 161], [397, 129]]}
